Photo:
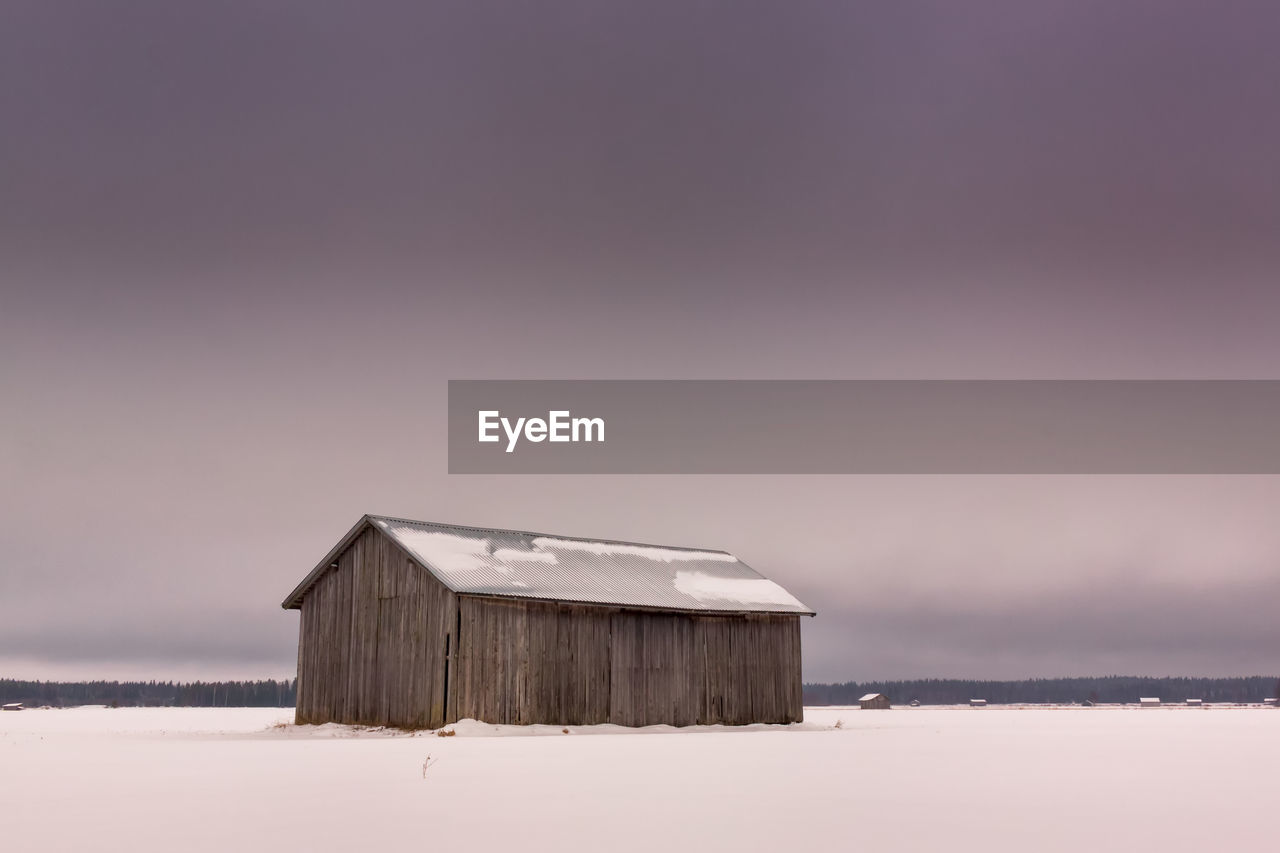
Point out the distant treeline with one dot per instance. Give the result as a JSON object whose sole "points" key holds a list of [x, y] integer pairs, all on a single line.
{"points": [[191, 694], [931, 691], [1112, 688]]}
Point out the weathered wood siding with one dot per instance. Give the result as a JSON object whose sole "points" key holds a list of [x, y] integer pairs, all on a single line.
{"points": [[373, 639], [532, 662], [382, 642], [526, 662]]}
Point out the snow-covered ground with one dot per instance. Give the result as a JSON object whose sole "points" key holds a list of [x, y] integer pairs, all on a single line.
{"points": [[988, 779]]}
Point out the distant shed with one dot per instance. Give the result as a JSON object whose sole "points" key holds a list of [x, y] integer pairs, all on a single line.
{"points": [[1195, 702], [12, 706], [418, 624], [977, 703], [874, 701], [1149, 702]]}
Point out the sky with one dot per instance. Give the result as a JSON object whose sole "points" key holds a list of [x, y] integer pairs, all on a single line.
{"points": [[243, 247]]}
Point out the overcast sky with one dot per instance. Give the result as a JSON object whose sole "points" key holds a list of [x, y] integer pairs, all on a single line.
{"points": [[244, 245]]}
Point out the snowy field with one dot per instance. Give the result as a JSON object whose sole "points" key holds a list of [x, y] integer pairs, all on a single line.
{"points": [[986, 779]]}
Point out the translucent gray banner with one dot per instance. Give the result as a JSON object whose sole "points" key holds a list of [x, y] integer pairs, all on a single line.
{"points": [[864, 427]]}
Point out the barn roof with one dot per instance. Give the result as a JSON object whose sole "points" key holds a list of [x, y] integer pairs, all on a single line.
{"points": [[480, 561]]}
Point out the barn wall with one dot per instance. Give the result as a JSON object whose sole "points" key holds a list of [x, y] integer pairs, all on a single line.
{"points": [[532, 662], [536, 662], [373, 638]]}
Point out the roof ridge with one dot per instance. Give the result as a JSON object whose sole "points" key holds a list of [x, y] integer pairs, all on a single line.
{"points": [[450, 526]]}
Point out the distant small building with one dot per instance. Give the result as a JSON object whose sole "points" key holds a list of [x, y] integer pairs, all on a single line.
{"points": [[915, 703], [874, 701], [12, 706], [1271, 702], [1195, 701], [977, 703], [1149, 702], [1088, 703]]}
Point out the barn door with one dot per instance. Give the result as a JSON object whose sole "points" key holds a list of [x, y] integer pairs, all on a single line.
{"points": [[448, 661], [451, 642]]}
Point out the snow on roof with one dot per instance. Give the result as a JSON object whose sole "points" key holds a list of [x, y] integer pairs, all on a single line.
{"points": [[479, 561], [870, 696]]}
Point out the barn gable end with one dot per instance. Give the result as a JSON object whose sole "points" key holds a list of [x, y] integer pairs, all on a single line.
{"points": [[374, 641]]}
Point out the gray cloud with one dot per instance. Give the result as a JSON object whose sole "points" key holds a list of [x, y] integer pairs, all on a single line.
{"points": [[242, 248], [1112, 627]]}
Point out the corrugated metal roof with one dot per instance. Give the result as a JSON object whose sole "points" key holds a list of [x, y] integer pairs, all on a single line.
{"points": [[480, 561]]}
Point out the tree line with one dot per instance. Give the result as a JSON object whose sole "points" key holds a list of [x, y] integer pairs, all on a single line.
{"points": [[270, 693], [1109, 689], [189, 694]]}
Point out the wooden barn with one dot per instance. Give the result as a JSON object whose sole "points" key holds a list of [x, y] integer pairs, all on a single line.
{"points": [[416, 624], [874, 702]]}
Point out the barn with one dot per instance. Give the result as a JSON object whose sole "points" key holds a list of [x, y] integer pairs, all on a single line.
{"points": [[419, 624], [874, 702]]}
